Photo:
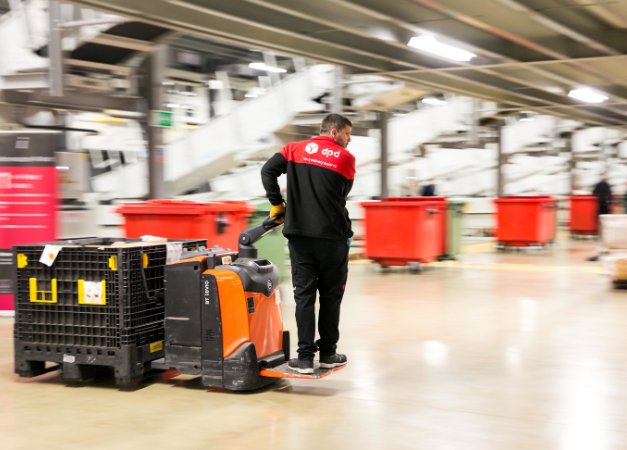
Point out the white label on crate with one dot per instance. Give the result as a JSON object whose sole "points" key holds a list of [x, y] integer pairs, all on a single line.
{"points": [[175, 249], [277, 296], [149, 238], [92, 292], [49, 254], [226, 260], [69, 358]]}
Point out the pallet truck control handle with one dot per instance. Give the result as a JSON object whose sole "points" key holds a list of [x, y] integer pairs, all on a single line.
{"points": [[251, 235]]}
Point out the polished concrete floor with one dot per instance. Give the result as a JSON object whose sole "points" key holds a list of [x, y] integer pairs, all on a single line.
{"points": [[498, 351]]}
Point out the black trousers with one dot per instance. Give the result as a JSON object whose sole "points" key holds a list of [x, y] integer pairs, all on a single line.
{"points": [[318, 265]]}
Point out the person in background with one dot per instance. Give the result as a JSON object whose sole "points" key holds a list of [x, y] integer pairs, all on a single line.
{"points": [[603, 192], [428, 190]]}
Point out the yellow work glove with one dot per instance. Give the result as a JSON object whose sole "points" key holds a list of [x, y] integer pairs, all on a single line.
{"points": [[276, 210]]}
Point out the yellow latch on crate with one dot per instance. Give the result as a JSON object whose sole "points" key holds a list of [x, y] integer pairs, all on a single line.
{"points": [[156, 346], [113, 263], [22, 261], [93, 293], [145, 260], [43, 296]]}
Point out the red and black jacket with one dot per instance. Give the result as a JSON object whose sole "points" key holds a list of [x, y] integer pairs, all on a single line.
{"points": [[320, 176]]}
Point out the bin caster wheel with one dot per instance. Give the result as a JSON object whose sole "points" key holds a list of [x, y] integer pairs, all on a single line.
{"points": [[415, 267]]}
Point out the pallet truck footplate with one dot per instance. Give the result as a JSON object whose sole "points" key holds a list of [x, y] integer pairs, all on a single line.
{"points": [[284, 371]]}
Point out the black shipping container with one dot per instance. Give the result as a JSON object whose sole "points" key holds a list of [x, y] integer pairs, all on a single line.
{"points": [[99, 304]]}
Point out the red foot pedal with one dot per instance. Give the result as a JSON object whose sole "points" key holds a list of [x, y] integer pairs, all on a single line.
{"points": [[283, 371]]}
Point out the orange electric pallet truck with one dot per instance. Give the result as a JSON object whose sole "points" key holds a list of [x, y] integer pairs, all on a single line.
{"points": [[223, 317]]}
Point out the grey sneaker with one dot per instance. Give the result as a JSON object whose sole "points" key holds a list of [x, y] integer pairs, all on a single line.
{"points": [[302, 366], [331, 361]]}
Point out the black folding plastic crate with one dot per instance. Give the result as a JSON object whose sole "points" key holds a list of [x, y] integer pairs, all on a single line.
{"points": [[57, 319]]}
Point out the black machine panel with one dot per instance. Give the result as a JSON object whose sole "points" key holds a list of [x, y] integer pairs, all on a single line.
{"points": [[193, 331], [182, 308], [211, 353]]}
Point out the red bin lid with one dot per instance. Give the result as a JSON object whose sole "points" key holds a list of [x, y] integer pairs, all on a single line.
{"points": [[583, 197], [182, 207], [525, 199], [414, 199], [406, 204]]}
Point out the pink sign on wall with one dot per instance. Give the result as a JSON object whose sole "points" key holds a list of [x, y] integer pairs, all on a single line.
{"points": [[28, 198]]}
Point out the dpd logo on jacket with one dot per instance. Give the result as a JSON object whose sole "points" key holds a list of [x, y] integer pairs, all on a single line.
{"points": [[311, 148]]}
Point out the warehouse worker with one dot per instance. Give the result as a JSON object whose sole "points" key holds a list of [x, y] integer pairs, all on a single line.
{"points": [[603, 192], [320, 173], [428, 190]]}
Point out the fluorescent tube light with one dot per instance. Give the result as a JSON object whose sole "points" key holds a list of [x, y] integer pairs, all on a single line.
{"points": [[431, 45], [433, 101], [587, 95], [262, 66]]}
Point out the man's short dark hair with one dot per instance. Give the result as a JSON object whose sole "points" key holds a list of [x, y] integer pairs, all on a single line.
{"points": [[336, 121]]}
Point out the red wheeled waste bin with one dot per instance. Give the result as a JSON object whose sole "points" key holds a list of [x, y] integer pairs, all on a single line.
{"points": [[402, 232], [441, 218], [584, 215], [218, 222], [523, 221]]}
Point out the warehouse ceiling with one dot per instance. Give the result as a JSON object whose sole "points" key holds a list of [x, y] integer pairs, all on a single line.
{"points": [[529, 53]]}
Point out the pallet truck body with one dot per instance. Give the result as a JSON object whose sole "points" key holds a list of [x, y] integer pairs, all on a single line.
{"points": [[223, 317]]}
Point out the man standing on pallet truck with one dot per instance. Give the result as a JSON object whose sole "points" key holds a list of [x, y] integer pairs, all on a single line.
{"points": [[320, 173]]}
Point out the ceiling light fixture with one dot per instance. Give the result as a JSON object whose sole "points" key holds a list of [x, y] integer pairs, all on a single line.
{"points": [[262, 66], [431, 45], [433, 101], [587, 95]]}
